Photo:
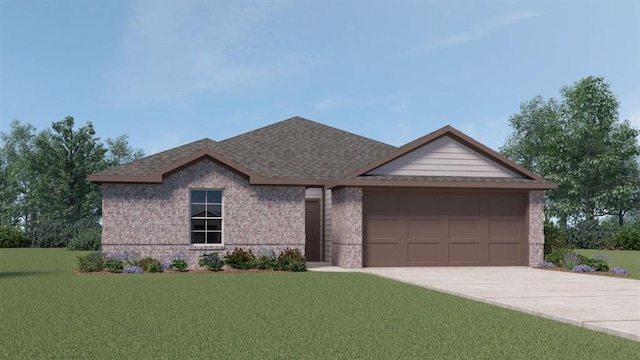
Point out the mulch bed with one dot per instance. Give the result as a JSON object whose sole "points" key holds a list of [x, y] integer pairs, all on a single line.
{"points": [[600, 273], [191, 271]]}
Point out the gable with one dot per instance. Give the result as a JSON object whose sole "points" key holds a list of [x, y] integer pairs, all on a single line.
{"points": [[444, 157]]}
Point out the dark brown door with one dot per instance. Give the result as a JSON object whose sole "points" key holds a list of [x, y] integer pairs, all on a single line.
{"points": [[444, 228], [312, 230]]}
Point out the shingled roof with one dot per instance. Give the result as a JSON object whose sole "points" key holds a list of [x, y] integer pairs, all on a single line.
{"points": [[295, 148]]}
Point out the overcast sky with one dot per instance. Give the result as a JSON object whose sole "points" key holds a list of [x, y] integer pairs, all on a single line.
{"points": [[171, 72]]}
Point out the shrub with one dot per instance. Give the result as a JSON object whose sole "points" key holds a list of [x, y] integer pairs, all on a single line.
{"points": [[165, 265], [114, 264], [554, 237], [267, 261], [582, 269], [12, 237], [179, 265], [597, 264], [619, 271], [132, 270], [626, 238], [151, 265], [55, 233], [589, 234], [211, 261], [570, 260], [291, 260], [86, 239], [556, 256], [131, 258], [546, 265], [240, 259], [92, 262]]}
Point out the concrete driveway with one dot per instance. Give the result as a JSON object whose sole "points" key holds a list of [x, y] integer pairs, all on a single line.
{"points": [[600, 303]]}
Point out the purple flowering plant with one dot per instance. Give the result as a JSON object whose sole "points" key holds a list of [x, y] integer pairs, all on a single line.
{"points": [[619, 271], [546, 265], [132, 270], [583, 269]]}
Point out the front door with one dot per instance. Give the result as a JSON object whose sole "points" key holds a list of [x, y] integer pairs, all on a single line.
{"points": [[312, 230]]}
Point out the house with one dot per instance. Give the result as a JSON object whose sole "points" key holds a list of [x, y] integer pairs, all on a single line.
{"points": [[441, 200]]}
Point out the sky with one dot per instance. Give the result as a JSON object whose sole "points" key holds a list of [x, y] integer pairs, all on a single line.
{"points": [[170, 72]]}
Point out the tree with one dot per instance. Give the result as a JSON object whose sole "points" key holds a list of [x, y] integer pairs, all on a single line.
{"points": [[579, 143], [44, 178]]}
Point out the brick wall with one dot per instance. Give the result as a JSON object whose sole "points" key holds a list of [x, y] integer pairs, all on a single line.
{"points": [[153, 219], [347, 227]]}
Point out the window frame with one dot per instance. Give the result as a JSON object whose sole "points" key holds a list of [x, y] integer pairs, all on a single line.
{"points": [[205, 218]]}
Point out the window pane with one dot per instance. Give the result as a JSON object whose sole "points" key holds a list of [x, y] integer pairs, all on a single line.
{"points": [[198, 196], [198, 211], [214, 210], [214, 224], [197, 224], [214, 238], [197, 237], [214, 196]]}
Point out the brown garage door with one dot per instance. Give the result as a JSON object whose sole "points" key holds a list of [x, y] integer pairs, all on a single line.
{"points": [[444, 228]]}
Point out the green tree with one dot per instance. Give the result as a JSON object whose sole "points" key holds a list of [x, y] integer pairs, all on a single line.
{"points": [[579, 143], [44, 178]]}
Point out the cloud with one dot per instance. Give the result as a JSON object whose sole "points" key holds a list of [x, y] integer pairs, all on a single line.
{"points": [[173, 49], [474, 34]]}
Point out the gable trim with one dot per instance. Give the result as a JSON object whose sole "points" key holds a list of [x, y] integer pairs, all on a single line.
{"points": [[457, 136], [157, 176]]}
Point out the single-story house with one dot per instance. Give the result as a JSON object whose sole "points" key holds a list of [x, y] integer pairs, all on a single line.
{"points": [[441, 200]]}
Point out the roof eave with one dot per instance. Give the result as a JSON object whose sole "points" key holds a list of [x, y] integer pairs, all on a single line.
{"points": [[443, 184]]}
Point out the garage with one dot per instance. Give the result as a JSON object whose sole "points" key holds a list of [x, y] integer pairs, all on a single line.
{"points": [[444, 227]]}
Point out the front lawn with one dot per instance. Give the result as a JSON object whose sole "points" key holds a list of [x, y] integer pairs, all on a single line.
{"points": [[47, 311], [627, 259]]}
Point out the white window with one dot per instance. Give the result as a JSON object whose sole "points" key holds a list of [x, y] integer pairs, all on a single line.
{"points": [[206, 216]]}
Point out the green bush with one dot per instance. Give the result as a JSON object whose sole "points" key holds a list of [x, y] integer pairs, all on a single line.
{"points": [[12, 237], [597, 264], [55, 233], [291, 260], [589, 234], [240, 259], [151, 265], [92, 262], [178, 265], [114, 264], [267, 261], [86, 239], [211, 261], [626, 238], [557, 256], [554, 237]]}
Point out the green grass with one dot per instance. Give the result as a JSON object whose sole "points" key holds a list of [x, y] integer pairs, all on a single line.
{"points": [[46, 311], [627, 259]]}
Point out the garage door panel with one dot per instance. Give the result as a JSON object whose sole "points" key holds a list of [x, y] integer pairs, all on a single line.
{"points": [[423, 253], [464, 253], [424, 228], [382, 229], [381, 204], [464, 229], [421, 204], [460, 205], [504, 252], [380, 254], [507, 205], [505, 229]]}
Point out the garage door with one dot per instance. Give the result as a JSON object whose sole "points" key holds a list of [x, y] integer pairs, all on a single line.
{"points": [[442, 228]]}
